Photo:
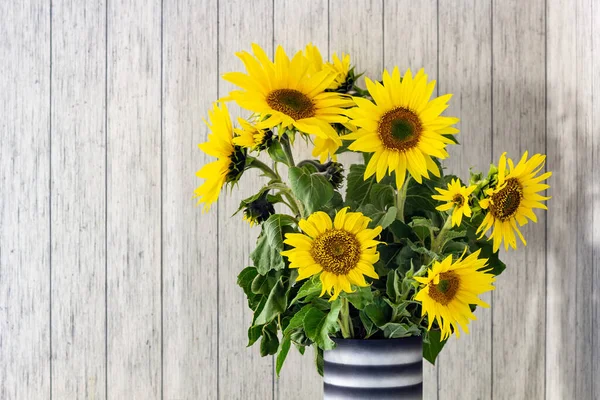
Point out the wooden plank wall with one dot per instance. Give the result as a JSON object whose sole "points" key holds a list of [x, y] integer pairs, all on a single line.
{"points": [[113, 285]]}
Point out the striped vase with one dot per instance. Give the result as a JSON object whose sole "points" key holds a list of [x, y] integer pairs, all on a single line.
{"points": [[374, 369]]}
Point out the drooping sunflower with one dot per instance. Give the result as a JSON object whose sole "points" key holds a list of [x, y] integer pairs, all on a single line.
{"points": [[403, 128], [343, 252], [250, 137], [449, 290], [230, 162], [457, 197], [513, 199], [286, 93]]}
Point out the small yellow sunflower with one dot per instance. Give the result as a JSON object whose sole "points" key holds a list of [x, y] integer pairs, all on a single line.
{"points": [[287, 93], [404, 129], [449, 290], [457, 197], [340, 68], [230, 161], [250, 137], [342, 251], [513, 199]]}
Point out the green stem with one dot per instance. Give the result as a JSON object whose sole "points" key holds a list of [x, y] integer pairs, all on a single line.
{"points": [[292, 202], [287, 149], [438, 242], [401, 199], [256, 163], [345, 323]]}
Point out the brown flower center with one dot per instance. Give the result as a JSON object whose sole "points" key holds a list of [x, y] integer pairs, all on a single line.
{"points": [[446, 289], [292, 103], [400, 129], [506, 202], [458, 199], [337, 251]]}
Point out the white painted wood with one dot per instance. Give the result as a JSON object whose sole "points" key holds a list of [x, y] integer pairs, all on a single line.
{"points": [[306, 21], [243, 374], [518, 104], [465, 34], [134, 200], [593, 179], [189, 238], [24, 200], [410, 40], [78, 200], [569, 334]]}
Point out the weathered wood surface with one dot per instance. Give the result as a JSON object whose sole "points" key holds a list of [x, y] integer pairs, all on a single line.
{"points": [[110, 278]]}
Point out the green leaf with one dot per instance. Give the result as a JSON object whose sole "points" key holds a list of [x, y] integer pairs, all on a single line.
{"points": [[369, 326], [487, 251], [313, 190], [395, 330], [319, 362], [245, 278], [379, 312], [401, 230], [254, 333], [379, 217], [399, 309], [423, 227], [276, 152], [297, 320], [310, 288], [334, 204], [418, 197], [265, 257], [361, 297], [358, 189], [274, 228], [284, 348], [422, 250], [276, 304], [382, 196], [319, 325], [262, 284], [269, 343], [393, 286], [432, 345]]}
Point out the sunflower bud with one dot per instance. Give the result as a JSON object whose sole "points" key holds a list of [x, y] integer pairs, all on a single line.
{"points": [[334, 172], [237, 164], [259, 210]]}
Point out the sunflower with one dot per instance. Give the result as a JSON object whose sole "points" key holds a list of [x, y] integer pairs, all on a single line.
{"points": [[342, 252], [457, 197], [403, 128], [230, 162], [513, 199], [288, 93], [340, 68], [449, 290], [250, 137]]}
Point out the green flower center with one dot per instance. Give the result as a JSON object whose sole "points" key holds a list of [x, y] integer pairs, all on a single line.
{"points": [[446, 289], [400, 129], [505, 202], [337, 251], [292, 103]]}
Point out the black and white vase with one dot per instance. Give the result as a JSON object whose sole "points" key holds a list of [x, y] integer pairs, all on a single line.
{"points": [[374, 369]]}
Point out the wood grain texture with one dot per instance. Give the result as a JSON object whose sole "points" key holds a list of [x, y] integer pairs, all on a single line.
{"points": [[595, 204], [25, 341], [134, 200], [465, 34], [78, 200], [414, 48], [518, 106], [306, 21], [189, 238], [243, 374], [569, 334]]}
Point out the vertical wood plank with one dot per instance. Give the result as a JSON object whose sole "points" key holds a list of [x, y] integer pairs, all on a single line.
{"points": [[242, 372], [595, 182], [518, 105], [78, 199], [570, 154], [306, 21], [24, 200], [411, 41], [134, 199], [465, 35], [189, 238]]}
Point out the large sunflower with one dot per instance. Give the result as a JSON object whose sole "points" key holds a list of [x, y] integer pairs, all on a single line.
{"points": [[513, 199], [456, 198], [287, 93], [342, 251], [230, 159], [404, 129], [250, 137], [449, 290]]}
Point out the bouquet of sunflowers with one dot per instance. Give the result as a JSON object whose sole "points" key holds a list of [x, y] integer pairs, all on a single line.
{"points": [[389, 247]]}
